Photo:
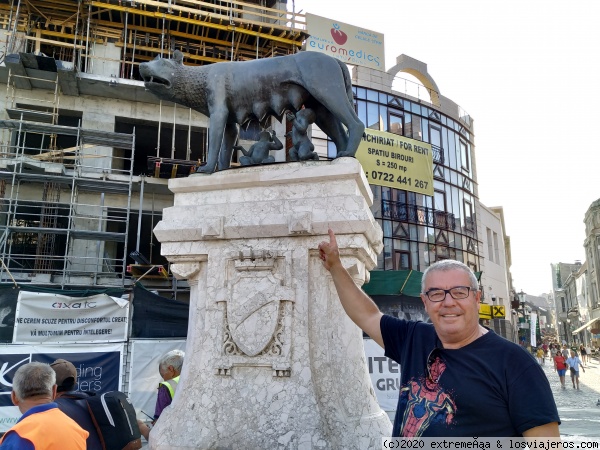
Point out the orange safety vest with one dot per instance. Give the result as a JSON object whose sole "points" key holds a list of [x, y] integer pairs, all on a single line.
{"points": [[50, 430]]}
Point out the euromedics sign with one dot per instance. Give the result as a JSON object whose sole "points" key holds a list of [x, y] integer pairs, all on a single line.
{"points": [[348, 43], [396, 161]]}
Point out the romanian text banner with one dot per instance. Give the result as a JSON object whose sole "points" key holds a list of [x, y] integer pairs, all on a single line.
{"points": [[396, 161], [46, 318]]}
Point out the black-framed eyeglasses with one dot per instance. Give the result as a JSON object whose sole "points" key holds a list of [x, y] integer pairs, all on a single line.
{"points": [[436, 354], [457, 293]]}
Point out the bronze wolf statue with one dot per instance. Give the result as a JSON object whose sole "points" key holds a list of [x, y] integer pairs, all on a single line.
{"points": [[233, 93]]}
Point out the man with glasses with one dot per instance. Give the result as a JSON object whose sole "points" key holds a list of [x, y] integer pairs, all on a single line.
{"points": [[457, 377]]}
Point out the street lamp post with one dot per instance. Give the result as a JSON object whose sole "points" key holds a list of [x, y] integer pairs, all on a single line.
{"points": [[567, 331], [522, 319]]}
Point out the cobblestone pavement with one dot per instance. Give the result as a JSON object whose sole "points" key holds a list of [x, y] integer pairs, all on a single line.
{"points": [[578, 409]]}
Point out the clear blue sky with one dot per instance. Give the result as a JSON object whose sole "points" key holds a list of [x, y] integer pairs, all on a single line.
{"points": [[528, 72]]}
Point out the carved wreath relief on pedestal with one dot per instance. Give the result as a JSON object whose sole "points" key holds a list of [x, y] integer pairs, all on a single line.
{"points": [[257, 315]]}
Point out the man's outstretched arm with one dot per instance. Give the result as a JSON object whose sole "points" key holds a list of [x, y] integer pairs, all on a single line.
{"points": [[360, 308]]}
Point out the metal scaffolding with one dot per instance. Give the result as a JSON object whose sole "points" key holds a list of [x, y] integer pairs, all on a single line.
{"points": [[65, 190], [55, 223], [205, 31]]}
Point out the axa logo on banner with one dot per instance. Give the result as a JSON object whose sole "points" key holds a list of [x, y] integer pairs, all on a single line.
{"points": [[74, 305]]}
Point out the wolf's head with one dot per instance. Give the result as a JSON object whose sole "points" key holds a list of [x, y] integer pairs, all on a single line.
{"points": [[160, 75]]}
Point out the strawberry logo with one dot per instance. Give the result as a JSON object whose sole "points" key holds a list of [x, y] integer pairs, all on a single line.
{"points": [[338, 35]]}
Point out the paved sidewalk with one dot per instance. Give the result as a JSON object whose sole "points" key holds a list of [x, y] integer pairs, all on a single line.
{"points": [[578, 409], [589, 381]]}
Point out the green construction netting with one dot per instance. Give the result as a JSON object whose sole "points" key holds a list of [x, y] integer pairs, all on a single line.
{"points": [[395, 282]]}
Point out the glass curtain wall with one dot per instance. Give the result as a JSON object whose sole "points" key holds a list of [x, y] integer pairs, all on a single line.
{"points": [[419, 229]]}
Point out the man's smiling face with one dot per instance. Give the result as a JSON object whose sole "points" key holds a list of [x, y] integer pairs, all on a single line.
{"points": [[455, 321]]}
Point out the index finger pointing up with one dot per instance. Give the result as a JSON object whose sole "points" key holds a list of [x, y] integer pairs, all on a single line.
{"points": [[332, 239]]}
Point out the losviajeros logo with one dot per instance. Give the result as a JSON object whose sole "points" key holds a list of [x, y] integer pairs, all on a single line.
{"points": [[350, 55]]}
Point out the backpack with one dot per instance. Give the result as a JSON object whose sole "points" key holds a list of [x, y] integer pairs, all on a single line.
{"points": [[74, 404], [115, 420]]}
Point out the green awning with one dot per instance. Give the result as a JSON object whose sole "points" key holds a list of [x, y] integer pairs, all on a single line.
{"points": [[397, 282], [394, 282]]}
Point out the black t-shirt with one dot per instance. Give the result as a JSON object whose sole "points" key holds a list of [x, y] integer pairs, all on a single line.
{"points": [[490, 387]]}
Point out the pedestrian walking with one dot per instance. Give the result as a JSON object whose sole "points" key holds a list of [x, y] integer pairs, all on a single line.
{"points": [[583, 354], [541, 356], [574, 363], [560, 365]]}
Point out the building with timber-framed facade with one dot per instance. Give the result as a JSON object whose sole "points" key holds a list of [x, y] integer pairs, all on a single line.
{"points": [[420, 229]]}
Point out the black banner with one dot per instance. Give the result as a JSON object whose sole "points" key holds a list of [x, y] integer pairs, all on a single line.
{"points": [[8, 307], [158, 317]]}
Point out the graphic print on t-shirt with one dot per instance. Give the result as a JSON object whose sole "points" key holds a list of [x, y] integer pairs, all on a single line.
{"points": [[425, 402]]}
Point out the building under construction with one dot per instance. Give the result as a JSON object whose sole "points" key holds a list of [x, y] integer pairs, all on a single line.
{"points": [[85, 151]]}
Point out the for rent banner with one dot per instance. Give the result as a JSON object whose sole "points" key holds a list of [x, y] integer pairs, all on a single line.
{"points": [[51, 318], [385, 375], [98, 370], [396, 161]]}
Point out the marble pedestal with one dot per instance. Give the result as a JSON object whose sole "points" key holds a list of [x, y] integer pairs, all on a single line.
{"points": [[272, 360]]}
